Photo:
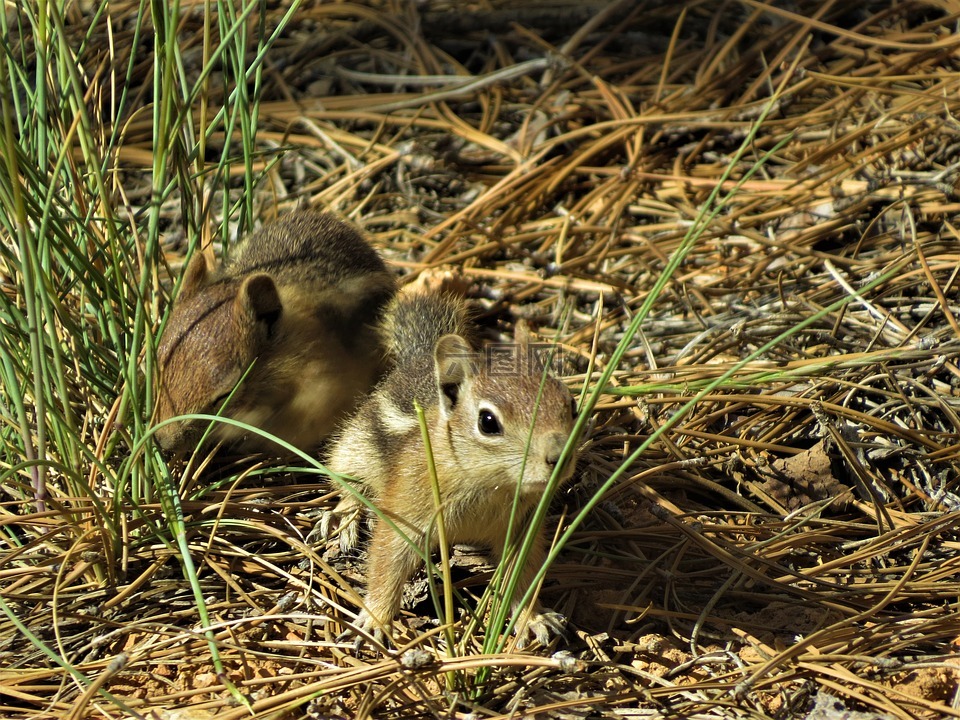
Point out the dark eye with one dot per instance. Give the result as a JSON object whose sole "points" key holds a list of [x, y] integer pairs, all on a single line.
{"points": [[573, 407], [488, 423]]}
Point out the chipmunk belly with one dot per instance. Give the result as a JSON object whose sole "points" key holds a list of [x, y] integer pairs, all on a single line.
{"points": [[483, 516]]}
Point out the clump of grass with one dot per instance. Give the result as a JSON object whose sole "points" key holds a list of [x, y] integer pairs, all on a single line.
{"points": [[85, 272]]}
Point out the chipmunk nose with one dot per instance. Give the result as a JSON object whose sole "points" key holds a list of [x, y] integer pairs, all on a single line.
{"points": [[170, 436], [554, 448], [177, 437]]}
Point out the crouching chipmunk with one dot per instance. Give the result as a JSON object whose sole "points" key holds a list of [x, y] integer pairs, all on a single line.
{"points": [[289, 329], [479, 417]]}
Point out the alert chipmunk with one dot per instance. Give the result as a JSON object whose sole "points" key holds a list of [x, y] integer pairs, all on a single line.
{"points": [[479, 418], [294, 317]]}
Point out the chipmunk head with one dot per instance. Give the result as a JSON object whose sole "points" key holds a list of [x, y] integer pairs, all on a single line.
{"points": [[503, 411], [215, 333]]}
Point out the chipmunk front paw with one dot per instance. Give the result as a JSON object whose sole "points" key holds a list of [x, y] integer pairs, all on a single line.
{"points": [[346, 522], [365, 627], [542, 627]]}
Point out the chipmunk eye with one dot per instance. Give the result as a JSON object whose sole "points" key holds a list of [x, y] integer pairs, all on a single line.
{"points": [[488, 423]]}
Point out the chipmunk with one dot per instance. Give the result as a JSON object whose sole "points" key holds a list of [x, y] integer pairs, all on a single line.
{"points": [[293, 317], [479, 418]]}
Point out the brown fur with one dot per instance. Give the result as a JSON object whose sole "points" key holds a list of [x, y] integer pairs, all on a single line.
{"points": [[295, 314], [478, 473]]}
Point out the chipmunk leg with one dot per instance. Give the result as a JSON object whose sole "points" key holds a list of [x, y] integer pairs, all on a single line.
{"points": [[535, 621], [392, 561]]}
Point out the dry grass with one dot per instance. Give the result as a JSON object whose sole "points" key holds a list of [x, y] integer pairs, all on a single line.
{"points": [[793, 533]]}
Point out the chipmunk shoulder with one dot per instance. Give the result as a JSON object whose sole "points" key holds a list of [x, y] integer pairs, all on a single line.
{"points": [[487, 417], [288, 329]]}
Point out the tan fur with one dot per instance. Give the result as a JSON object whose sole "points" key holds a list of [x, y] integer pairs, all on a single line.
{"points": [[478, 473], [295, 313]]}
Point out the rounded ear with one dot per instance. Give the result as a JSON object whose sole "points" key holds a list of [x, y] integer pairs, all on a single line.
{"points": [[258, 300], [454, 365], [522, 334], [195, 276]]}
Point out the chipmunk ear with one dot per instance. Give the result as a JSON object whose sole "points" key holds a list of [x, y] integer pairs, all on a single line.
{"points": [[454, 365], [195, 276], [259, 300], [532, 354], [522, 333]]}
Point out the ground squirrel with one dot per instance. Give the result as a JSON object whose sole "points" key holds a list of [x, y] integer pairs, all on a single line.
{"points": [[295, 314], [479, 409]]}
